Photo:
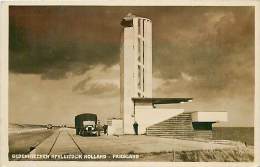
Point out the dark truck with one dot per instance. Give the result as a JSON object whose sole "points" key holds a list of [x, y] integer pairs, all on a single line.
{"points": [[86, 124]]}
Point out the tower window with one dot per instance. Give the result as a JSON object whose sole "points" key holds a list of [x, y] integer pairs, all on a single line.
{"points": [[139, 26], [139, 77], [143, 79], [143, 28], [143, 52], [139, 49]]}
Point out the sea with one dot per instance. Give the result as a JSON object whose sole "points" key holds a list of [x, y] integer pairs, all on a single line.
{"points": [[242, 134]]}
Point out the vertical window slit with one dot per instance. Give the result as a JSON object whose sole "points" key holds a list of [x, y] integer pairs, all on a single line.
{"points": [[143, 79]]}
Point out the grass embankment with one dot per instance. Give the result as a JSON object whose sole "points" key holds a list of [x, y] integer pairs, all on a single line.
{"points": [[21, 143], [242, 134], [239, 154]]}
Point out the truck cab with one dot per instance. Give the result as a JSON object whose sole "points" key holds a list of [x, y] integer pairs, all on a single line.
{"points": [[86, 124]]}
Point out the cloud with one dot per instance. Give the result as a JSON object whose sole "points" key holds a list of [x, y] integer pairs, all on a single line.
{"points": [[101, 90], [216, 47], [81, 85], [53, 48], [186, 77], [99, 82], [54, 59], [96, 91], [201, 52], [194, 39]]}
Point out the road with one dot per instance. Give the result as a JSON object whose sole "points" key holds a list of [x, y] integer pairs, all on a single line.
{"points": [[63, 144]]}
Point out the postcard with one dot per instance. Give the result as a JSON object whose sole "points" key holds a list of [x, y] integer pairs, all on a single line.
{"points": [[121, 84]]}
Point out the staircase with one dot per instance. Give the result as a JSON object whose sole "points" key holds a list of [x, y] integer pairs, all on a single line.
{"points": [[179, 126]]}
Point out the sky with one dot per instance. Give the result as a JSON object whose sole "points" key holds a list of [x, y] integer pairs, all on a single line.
{"points": [[64, 60]]}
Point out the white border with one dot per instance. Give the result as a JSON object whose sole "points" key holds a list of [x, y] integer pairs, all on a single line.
{"points": [[4, 77]]}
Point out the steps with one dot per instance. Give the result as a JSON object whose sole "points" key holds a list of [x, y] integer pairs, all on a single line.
{"points": [[179, 126]]}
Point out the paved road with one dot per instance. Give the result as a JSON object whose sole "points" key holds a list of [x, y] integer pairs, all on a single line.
{"points": [[65, 145], [64, 141]]}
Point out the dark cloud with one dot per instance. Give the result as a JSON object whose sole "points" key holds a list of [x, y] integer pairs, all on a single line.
{"points": [[54, 59], [213, 44], [201, 52], [52, 41], [217, 49]]}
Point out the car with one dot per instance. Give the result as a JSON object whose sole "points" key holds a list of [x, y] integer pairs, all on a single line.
{"points": [[49, 126]]}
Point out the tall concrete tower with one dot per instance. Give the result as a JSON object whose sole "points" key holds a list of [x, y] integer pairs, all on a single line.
{"points": [[136, 101], [135, 66]]}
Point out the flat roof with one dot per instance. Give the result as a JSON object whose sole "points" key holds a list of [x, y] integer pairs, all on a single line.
{"points": [[161, 100], [127, 21]]}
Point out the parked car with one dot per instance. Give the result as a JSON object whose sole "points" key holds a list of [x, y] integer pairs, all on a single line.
{"points": [[49, 126]]}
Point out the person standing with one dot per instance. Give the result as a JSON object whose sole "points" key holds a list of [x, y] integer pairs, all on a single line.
{"points": [[105, 129], [98, 128], [135, 125]]}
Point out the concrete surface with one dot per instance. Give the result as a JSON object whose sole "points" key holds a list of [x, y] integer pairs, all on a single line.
{"points": [[64, 144]]}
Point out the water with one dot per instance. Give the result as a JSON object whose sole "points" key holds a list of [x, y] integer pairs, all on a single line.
{"points": [[243, 134]]}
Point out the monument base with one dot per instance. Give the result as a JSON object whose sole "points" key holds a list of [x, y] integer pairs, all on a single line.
{"points": [[115, 127]]}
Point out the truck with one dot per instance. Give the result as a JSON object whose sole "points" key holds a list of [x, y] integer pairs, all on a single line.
{"points": [[86, 124]]}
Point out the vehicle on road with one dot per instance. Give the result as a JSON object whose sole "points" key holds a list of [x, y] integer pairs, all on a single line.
{"points": [[49, 126], [86, 124]]}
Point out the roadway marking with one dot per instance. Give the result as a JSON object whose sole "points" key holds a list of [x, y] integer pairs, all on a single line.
{"points": [[75, 143], [65, 144], [54, 143], [45, 146]]}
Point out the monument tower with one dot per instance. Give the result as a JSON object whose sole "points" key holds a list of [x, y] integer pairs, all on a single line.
{"points": [[136, 65], [136, 101]]}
